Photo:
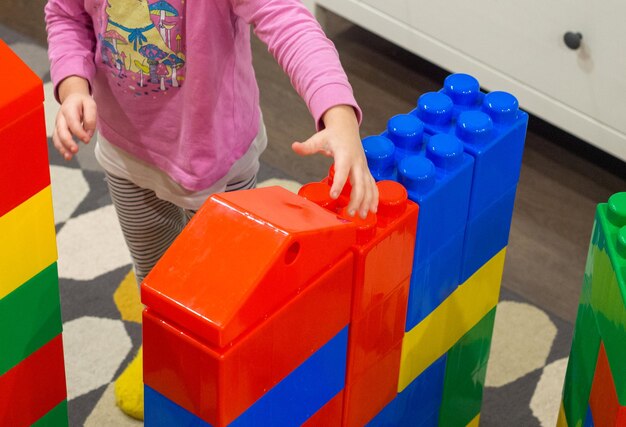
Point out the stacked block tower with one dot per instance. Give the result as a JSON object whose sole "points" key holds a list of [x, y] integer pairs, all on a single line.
{"points": [[281, 299], [281, 310], [459, 155], [595, 381], [32, 372]]}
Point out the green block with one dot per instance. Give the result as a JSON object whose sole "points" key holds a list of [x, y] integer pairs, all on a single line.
{"points": [[30, 316], [581, 366], [466, 367], [57, 417], [608, 287]]}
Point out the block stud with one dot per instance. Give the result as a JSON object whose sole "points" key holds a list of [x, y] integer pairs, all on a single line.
{"points": [[435, 108], [463, 89]]}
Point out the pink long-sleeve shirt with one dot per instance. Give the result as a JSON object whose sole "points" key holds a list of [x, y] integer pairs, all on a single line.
{"points": [[173, 80]]}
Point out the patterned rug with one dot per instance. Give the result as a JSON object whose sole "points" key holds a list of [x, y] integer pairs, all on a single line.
{"points": [[101, 308]]}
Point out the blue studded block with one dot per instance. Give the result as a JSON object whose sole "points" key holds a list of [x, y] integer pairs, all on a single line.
{"points": [[491, 126], [438, 176]]}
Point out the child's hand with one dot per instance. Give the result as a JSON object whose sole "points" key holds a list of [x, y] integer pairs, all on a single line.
{"points": [[340, 140], [77, 116]]}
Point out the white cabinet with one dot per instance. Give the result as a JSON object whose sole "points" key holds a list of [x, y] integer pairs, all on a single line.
{"points": [[519, 49]]}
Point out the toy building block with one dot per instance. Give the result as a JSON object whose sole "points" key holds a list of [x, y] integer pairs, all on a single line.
{"points": [[601, 317], [608, 286], [34, 387], [24, 161], [268, 289], [444, 327], [581, 364], [604, 408], [30, 316], [383, 259], [32, 373], [466, 367], [493, 130], [589, 419], [417, 405], [329, 416], [438, 176]]}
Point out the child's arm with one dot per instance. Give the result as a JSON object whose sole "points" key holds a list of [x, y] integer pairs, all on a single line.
{"points": [[71, 46], [310, 59], [340, 140]]}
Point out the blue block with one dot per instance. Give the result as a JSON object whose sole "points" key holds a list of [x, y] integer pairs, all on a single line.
{"points": [[492, 129], [159, 411], [438, 177], [588, 418], [435, 171], [433, 280], [418, 404], [303, 392], [487, 234], [289, 403]]}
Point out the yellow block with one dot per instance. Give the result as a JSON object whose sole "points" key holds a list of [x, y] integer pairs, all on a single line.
{"points": [[27, 241], [562, 420], [475, 422], [437, 333]]}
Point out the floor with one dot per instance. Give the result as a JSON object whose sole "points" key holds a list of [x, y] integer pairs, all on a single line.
{"points": [[561, 182]]}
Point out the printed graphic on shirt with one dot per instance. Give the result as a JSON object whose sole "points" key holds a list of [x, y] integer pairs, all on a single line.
{"points": [[143, 44]]}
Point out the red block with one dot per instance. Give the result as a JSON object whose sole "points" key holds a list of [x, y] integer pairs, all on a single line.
{"points": [[21, 90], [605, 408], [24, 160], [366, 395], [384, 254], [329, 415], [266, 246], [376, 333], [383, 263], [217, 384], [31, 389]]}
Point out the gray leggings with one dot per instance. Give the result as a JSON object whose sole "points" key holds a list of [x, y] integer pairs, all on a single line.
{"points": [[150, 224]]}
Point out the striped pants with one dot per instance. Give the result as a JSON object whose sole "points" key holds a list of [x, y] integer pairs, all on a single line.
{"points": [[150, 224]]}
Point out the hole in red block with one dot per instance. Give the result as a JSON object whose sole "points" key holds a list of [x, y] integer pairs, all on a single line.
{"points": [[292, 253]]}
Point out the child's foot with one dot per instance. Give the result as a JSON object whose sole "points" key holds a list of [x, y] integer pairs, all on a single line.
{"points": [[129, 388]]}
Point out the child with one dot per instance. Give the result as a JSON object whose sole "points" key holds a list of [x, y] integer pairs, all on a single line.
{"points": [[178, 105]]}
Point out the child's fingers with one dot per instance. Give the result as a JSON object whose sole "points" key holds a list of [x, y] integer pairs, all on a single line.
{"points": [[60, 148], [364, 193], [315, 144], [75, 125], [342, 169], [64, 135], [89, 116]]}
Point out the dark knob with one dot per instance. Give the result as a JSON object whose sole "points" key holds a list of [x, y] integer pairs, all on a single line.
{"points": [[572, 40]]}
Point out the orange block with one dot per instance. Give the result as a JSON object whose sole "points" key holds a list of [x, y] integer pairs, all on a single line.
{"points": [[606, 410], [266, 246]]}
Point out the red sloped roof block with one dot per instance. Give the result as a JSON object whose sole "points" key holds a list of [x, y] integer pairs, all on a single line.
{"points": [[266, 240]]}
